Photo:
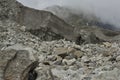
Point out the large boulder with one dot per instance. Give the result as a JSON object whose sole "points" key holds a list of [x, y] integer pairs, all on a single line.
{"points": [[44, 24], [16, 65]]}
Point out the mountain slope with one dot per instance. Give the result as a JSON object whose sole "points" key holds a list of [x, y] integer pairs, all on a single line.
{"points": [[78, 19], [24, 56]]}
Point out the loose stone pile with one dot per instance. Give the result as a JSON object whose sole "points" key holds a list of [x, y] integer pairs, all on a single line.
{"points": [[64, 60]]}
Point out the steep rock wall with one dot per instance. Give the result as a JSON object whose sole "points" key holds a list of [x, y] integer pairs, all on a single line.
{"points": [[46, 22]]}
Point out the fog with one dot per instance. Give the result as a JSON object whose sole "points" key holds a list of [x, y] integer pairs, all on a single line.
{"points": [[107, 10]]}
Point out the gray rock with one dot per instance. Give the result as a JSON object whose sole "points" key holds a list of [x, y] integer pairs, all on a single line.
{"points": [[108, 75], [5, 57], [58, 61], [44, 24], [68, 74], [78, 53], [118, 58], [69, 62], [85, 59], [62, 52], [45, 73], [16, 65]]}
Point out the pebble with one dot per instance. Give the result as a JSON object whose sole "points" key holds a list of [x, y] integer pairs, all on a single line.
{"points": [[85, 59], [62, 52], [69, 62], [78, 54], [107, 44], [118, 58]]}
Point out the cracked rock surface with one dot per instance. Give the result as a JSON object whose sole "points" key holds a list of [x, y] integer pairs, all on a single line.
{"points": [[15, 65]]}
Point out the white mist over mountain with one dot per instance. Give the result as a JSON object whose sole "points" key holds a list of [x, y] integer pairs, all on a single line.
{"points": [[107, 10]]}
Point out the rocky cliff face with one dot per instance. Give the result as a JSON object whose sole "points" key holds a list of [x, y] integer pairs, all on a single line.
{"points": [[45, 24], [90, 28], [25, 56]]}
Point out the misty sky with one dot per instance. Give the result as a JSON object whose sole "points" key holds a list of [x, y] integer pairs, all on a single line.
{"points": [[106, 10]]}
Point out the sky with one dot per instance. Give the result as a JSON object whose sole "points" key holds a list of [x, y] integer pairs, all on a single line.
{"points": [[107, 10]]}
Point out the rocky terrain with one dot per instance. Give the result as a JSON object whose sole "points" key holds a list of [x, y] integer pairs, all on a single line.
{"points": [[37, 45]]}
